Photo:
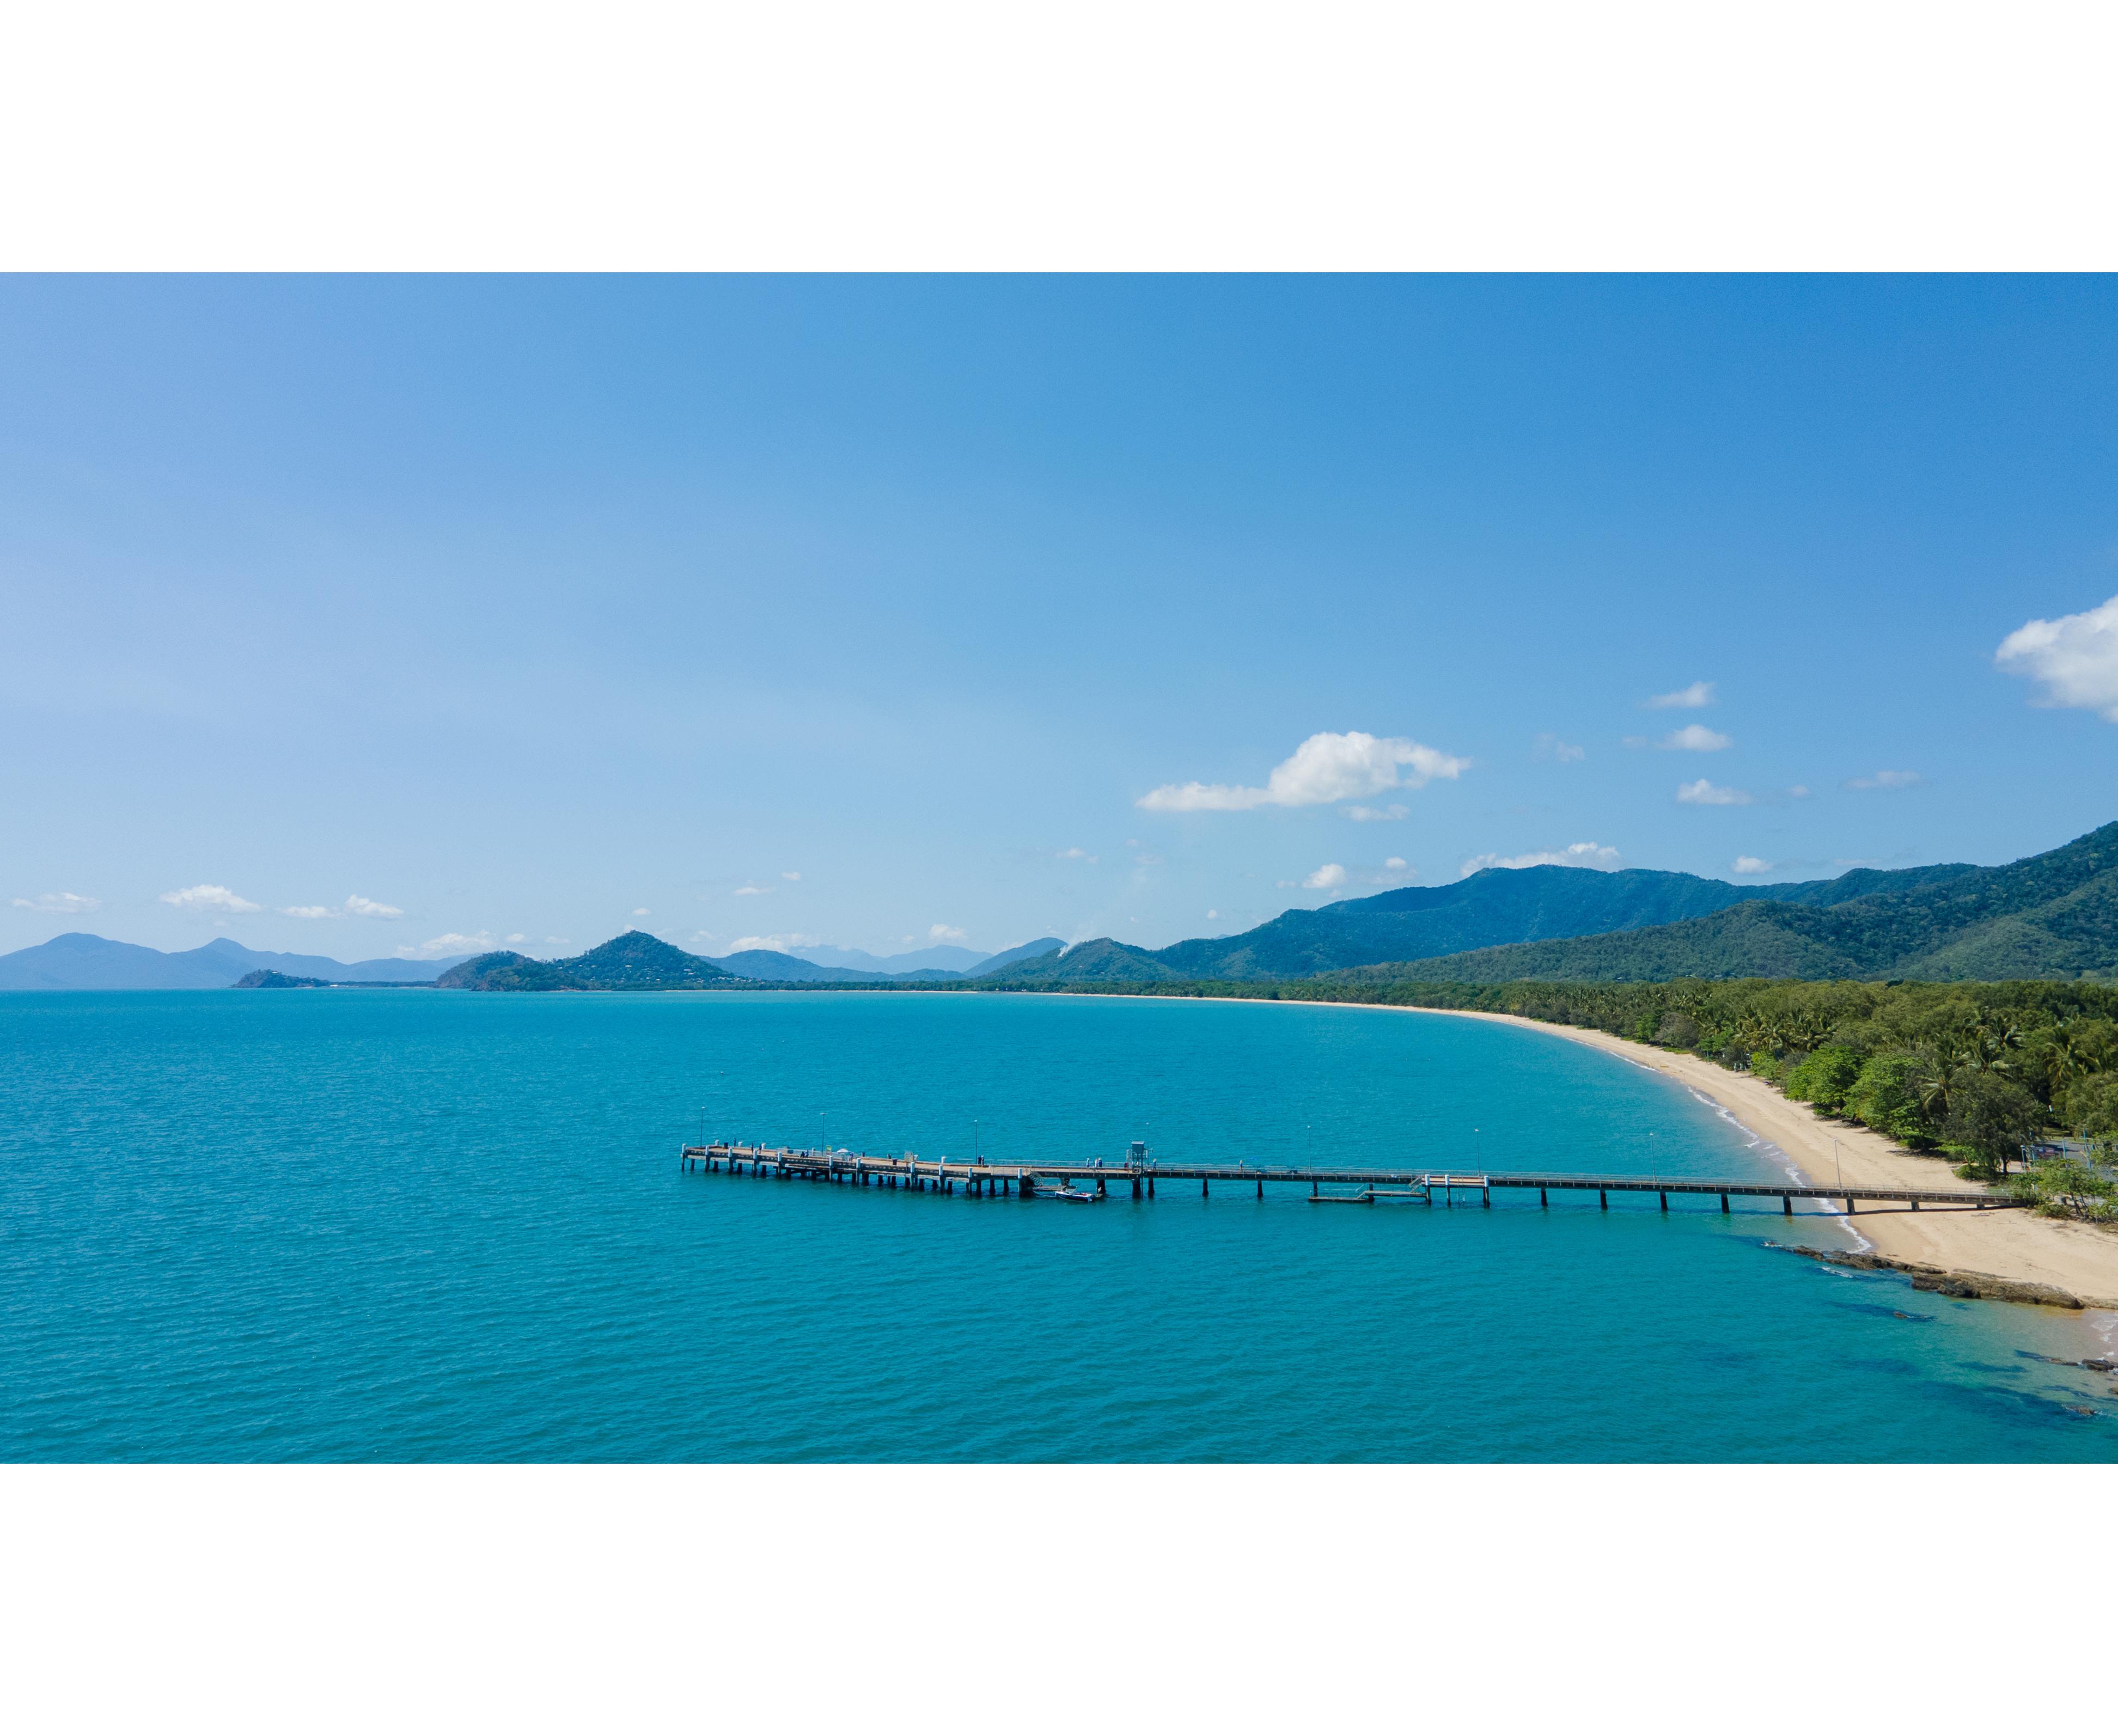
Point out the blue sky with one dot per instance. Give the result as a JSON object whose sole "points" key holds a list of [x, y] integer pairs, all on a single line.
{"points": [[873, 611]]}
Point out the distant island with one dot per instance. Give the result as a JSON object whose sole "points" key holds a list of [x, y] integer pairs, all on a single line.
{"points": [[281, 980]]}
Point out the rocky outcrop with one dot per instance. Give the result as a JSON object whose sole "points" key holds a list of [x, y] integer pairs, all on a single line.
{"points": [[1940, 1281]]}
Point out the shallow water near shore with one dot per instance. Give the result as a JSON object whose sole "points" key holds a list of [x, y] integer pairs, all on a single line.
{"points": [[400, 1224]]}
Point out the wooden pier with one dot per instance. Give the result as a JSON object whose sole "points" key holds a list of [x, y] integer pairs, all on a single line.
{"points": [[1092, 1181]]}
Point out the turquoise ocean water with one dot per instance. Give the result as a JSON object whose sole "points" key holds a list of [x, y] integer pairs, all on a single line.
{"points": [[397, 1225]]}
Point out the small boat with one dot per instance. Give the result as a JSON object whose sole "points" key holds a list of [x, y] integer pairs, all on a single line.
{"points": [[1070, 1191]]}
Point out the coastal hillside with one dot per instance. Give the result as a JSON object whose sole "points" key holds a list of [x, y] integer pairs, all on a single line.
{"points": [[1492, 907], [632, 961], [2050, 915]]}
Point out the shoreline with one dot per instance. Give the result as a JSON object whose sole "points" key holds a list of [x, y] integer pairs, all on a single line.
{"points": [[2014, 1246]]}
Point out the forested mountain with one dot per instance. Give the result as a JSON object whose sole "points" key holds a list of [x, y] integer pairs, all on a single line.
{"points": [[2050, 915], [632, 961], [1494, 906]]}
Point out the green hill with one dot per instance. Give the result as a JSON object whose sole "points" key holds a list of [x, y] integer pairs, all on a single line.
{"points": [[632, 961], [2050, 915]]}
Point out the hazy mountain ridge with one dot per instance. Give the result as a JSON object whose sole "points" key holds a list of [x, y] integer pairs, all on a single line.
{"points": [[84, 961]]}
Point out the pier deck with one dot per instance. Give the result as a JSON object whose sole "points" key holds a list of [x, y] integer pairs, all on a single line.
{"points": [[1027, 1180]]}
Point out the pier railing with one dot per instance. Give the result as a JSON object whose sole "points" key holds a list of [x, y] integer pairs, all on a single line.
{"points": [[1092, 1180]]}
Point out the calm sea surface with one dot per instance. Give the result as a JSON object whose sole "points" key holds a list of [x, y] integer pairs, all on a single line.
{"points": [[399, 1224]]}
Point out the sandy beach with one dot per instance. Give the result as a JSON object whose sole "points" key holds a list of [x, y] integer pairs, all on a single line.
{"points": [[2019, 1245]]}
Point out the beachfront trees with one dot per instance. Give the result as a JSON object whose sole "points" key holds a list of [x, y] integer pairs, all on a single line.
{"points": [[1991, 1119], [2090, 1107], [1886, 1097], [1825, 1077], [2065, 1187]]}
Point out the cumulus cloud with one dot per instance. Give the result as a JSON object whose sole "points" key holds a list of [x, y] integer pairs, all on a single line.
{"points": [[1684, 698], [1704, 795], [355, 906], [643, 912], [1752, 864], [211, 897], [1549, 746], [790, 874], [940, 931], [1885, 781], [1395, 811], [1076, 853], [1330, 875], [752, 892], [1326, 768], [1212, 916], [447, 946], [1603, 857], [774, 943], [60, 903], [2074, 659], [1695, 738], [516, 939]]}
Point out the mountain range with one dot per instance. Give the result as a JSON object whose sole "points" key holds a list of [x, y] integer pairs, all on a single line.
{"points": [[761, 965], [2050, 915], [90, 961], [639, 961], [2053, 915]]}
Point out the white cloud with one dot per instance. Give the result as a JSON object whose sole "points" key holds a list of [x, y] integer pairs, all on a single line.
{"points": [[1395, 811], [752, 892], [1326, 768], [1752, 864], [2074, 659], [1885, 781], [774, 943], [1704, 795], [516, 939], [1330, 875], [60, 903], [940, 931], [211, 897], [1394, 862], [1212, 916], [1696, 738], [1151, 861], [643, 912], [790, 874], [1549, 746], [445, 946], [1603, 857], [355, 906], [1076, 853], [1684, 698]]}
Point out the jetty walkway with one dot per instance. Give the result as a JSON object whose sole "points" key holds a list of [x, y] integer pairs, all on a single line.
{"points": [[1092, 1181]]}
